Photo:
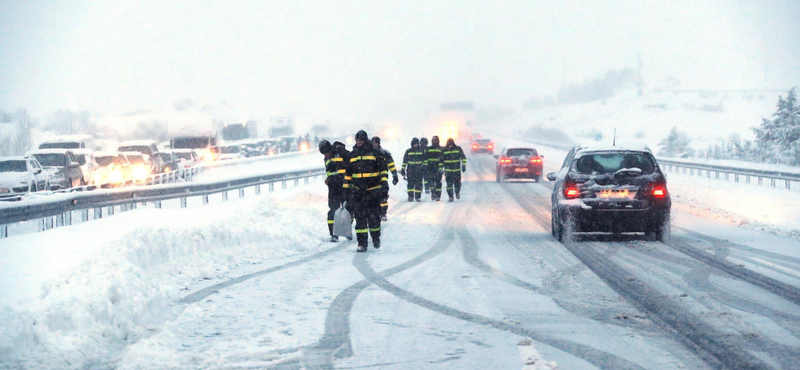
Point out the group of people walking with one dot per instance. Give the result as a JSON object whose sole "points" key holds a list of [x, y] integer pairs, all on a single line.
{"points": [[359, 179], [423, 167]]}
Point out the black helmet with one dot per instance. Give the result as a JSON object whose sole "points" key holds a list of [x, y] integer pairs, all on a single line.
{"points": [[376, 140], [324, 147], [414, 142], [423, 141], [435, 140], [450, 142], [362, 135]]}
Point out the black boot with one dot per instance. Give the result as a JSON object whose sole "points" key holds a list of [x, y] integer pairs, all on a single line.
{"points": [[458, 195], [410, 197], [376, 243], [334, 238], [451, 199], [361, 249]]}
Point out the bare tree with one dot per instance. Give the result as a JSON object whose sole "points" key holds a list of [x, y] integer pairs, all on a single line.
{"points": [[5, 145], [24, 126]]}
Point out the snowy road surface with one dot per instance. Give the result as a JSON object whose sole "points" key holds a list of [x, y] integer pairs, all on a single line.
{"points": [[463, 285], [481, 284]]}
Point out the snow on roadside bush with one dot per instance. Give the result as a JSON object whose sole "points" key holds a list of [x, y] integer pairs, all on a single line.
{"points": [[127, 285]]}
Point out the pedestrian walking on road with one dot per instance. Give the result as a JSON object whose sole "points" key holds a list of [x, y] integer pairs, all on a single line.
{"points": [[387, 158], [413, 170], [366, 186], [336, 159], [435, 168], [423, 146], [455, 162]]}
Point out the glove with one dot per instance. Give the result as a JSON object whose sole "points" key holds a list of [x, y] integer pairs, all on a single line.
{"points": [[395, 180], [464, 168], [403, 172]]}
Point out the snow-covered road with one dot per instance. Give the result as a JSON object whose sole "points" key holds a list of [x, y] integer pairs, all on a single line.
{"points": [[461, 286], [475, 284]]}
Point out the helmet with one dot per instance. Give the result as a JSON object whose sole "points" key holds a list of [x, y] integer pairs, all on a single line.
{"points": [[423, 141], [414, 142], [376, 140], [362, 135], [450, 142], [324, 147], [435, 140]]}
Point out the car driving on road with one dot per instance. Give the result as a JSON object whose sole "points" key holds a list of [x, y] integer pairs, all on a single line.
{"points": [[112, 169], [482, 146], [610, 189], [519, 163], [140, 169], [62, 166], [20, 176], [149, 151]]}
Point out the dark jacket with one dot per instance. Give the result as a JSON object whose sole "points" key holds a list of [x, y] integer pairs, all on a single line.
{"points": [[387, 158], [336, 165], [433, 158], [413, 161], [453, 159], [364, 171]]}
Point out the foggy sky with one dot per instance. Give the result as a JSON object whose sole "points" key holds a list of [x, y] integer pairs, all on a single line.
{"points": [[368, 60]]}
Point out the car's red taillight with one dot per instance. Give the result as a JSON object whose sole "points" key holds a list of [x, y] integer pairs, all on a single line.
{"points": [[491, 146], [536, 160], [504, 160], [659, 191], [474, 146], [571, 190]]}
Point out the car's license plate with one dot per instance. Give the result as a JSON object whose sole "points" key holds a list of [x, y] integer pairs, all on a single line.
{"points": [[4, 190], [520, 170], [616, 194]]}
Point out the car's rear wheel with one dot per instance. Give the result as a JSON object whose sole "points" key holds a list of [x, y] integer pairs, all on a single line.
{"points": [[660, 231]]}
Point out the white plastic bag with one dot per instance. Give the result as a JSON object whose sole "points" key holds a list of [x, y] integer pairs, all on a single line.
{"points": [[342, 223]]}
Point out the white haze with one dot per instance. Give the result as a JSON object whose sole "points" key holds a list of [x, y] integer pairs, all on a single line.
{"points": [[365, 61]]}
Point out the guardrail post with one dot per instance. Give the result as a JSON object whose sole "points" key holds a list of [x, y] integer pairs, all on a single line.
{"points": [[205, 198], [271, 187], [224, 195], [788, 184], [158, 204], [760, 180], [41, 226], [727, 175], [85, 215], [283, 184], [60, 220], [305, 180], [98, 213], [3, 231], [258, 189], [183, 202], [110, 210], [69, 218], [296, 182], [241, 192], [772, 182], [735, 177], [691, 172], [133, 205], [716, 174]]}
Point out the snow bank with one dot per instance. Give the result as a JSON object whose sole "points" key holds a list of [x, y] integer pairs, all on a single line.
{"points": [[74, 297]]}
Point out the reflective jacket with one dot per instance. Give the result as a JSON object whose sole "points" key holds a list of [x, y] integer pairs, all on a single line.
{"points": [[336, 164], [433, 158], [366, 170], [387, 158], [413, 160], [453, 159]]}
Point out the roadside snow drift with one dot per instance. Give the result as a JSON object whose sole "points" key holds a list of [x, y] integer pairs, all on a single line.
{"points": [[74, 297]]}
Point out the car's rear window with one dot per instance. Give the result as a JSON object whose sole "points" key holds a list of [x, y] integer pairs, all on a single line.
{"points": [[135, 159], [106, 160], [184, 156], [51, 160], [521, 152], [61, 145], [136, 148], [483, 141], [13, 166], [612, 162]]}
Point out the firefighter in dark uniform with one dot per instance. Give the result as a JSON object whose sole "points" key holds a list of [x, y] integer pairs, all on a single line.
{"points": [[455, 162], [336, 157], [435, 168], [413, 171], [387, 158], [366, 186], [423, 145]]}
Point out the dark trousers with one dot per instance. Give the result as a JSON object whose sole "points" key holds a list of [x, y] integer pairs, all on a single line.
{"points": [[335, 200], [367, 211], [414, 184], [384, 204], [453, 183], [435, 182]]}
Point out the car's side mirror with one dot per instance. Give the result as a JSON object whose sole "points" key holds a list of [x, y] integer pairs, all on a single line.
{"points": [[496, 157], [551, 176], [37, 171], [541, 156]]}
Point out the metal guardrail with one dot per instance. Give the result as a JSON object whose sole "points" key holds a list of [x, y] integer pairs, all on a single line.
{"points": [[58, 210], [692, 168]]}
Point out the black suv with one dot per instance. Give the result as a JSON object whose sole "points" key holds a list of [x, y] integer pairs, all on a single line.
{"points": [[610, 189]]}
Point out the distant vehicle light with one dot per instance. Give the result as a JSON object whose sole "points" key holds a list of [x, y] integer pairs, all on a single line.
{"points": [[659, 192], [536, 160], [504, 160]]}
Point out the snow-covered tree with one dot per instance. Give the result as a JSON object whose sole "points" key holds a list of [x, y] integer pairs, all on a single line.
{"points": [[779, 137], [675, 144]]}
